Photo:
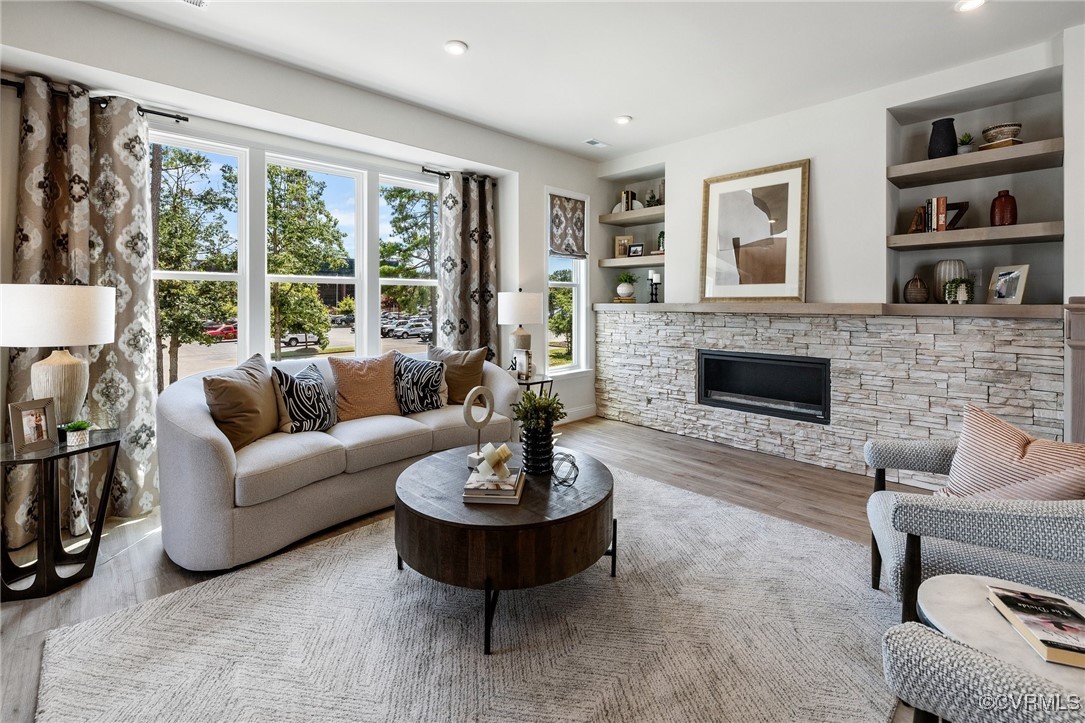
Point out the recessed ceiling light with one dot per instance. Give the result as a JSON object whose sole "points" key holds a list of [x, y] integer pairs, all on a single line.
{"points": [[197, 3], [623, 120], [455, 47], [964, 6]]}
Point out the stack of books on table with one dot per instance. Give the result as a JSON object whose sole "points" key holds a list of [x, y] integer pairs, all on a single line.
{"points": [[624, 300], [1054, 629], [494, 490]]}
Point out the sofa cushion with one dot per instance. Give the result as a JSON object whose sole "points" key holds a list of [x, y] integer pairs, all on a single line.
{"points": [[281, 463], [373, 441], [449, 429], [463, 370], [418, 384], [304, 402], [996, 460], [364, 387], [242, 402]]}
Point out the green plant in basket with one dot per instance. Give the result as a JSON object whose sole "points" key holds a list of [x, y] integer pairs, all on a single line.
{"points": [[537, 412], [627, 278]]}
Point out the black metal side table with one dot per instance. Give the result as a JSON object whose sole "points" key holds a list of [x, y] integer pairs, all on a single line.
{"points": [[546, 384], [51, 552]]}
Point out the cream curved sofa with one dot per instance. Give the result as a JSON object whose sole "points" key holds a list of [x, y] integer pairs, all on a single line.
{"points": [[221, 509]]}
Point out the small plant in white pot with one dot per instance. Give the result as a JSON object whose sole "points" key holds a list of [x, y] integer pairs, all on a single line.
{"points": [[959, 290], [77, 433], [964, 143], [625, 284]]}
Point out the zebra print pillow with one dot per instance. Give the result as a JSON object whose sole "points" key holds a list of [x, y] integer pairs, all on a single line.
{"points": [[304, 402], [418, 384]]}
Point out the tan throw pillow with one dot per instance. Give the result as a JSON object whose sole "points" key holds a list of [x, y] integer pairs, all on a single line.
{"points": [[365, 387], [463, 370], [242, 402], [996, 460]]}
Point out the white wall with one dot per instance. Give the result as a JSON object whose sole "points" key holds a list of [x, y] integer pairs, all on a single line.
{"points": [[846, 142], [166, 69]]}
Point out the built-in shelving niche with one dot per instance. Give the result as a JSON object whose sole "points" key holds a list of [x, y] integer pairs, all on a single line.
{"points": [[1032, 172]]}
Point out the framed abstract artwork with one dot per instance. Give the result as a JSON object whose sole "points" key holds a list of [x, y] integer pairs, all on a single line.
{"points": [[753, 234], [1007, 284]]}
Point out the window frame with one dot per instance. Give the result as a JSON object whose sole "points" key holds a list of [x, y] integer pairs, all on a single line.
{"points": [[579, 286]]}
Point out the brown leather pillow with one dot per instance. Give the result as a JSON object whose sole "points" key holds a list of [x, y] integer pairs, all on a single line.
{"points": [[242, 402], [365, 387], [463, 370]]}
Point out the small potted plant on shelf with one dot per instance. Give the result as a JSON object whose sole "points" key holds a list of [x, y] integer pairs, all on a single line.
{"points": [[75, 434], [959, 290], [625, 284], [537, 414], [964, 143]]}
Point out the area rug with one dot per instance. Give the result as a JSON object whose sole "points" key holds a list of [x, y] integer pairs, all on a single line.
{"points": [[718, 613]]}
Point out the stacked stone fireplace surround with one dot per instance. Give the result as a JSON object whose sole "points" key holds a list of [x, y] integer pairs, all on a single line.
{"points": [[892, 377]]}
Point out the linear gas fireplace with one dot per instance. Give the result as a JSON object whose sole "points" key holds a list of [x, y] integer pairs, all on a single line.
{"points": [[793, 387]]}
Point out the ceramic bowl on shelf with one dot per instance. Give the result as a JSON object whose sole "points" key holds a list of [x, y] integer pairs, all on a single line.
{"points": [[1001, 132]]}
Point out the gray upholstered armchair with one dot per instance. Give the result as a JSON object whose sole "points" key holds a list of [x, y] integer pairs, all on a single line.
{"points": [[941, 677], [1035, 543]]}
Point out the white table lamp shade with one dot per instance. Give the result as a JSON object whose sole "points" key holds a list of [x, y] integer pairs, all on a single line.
{"points": [[519, 307], [51, 315]]}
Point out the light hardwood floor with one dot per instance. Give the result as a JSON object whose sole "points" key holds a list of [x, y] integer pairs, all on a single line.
{"points": [[133, 568]]}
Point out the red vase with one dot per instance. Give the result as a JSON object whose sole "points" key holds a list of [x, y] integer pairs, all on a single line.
{"points": [[1004, 209]]}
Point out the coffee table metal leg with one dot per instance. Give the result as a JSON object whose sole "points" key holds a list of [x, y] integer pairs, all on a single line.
{"points": [[613, 551], [491, 606], [399, 562]]}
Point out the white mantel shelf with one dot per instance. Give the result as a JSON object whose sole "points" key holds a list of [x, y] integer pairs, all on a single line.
{"points": [[989, 311]]}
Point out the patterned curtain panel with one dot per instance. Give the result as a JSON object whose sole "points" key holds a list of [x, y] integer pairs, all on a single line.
{"points": [[567, 227], [82, 217], [467, 278]]}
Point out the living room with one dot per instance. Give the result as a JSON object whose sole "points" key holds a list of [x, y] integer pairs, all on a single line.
{"points": [[738, 531]]}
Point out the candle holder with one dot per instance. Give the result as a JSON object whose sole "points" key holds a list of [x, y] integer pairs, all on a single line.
{"points": [[654, 286]]}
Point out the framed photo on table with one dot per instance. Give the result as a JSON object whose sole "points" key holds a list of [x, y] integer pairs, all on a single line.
{"points": [[753, 234], [33, 425], [1007, 284]]}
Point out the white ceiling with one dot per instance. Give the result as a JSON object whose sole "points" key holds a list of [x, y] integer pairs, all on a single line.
{"points": [[559, 72]]}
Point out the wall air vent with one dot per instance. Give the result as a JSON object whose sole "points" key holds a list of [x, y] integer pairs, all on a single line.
{"points": [[596, 143]]}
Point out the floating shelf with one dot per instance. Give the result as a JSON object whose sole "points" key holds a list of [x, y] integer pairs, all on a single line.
{"points": [[978, 164], [990, 236], [632, 262], [988, 311], [639, 217]]}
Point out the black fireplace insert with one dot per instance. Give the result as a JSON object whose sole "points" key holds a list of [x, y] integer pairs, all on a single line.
{"points": [[792, 387]]}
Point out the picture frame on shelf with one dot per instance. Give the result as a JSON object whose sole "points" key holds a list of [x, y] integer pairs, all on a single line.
{"points": [[636, 249], [33, 425], [753, 234], [1007, 284], [621, 246]]}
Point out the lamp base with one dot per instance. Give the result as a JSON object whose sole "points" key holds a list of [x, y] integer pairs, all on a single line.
{"points": [[64, 378], [520, 339]]}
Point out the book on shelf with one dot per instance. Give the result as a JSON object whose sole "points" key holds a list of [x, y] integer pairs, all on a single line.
{"points": [[940, 213], [1004, 143], [1049, 624], [490, 489], [624, 300]]}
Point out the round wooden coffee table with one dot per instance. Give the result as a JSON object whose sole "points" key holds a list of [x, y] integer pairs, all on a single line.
{"points": [[552, 534]]}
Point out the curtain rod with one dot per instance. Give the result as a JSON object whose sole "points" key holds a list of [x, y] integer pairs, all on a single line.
{"points": [[19, 87], [446, 174]]}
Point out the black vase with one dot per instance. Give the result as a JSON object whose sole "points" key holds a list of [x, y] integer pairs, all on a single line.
{"points": [[943, 139], [538, 448]]}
